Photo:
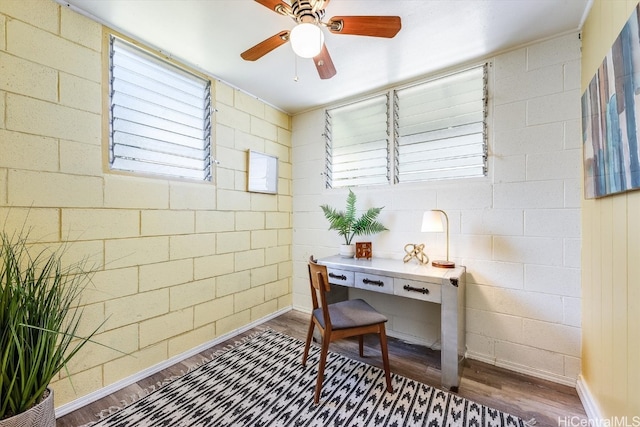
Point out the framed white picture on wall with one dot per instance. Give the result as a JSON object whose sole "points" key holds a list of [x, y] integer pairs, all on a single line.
{"points": [[262, 173]]}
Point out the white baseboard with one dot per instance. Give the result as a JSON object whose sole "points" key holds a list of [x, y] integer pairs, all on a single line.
{"points": [[587, 399], [480, 357], [523, 369], [112, 388], [302, 309], [538, 373]]}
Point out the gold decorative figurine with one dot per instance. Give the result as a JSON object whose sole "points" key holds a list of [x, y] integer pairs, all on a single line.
{"points": [[414, 250]]}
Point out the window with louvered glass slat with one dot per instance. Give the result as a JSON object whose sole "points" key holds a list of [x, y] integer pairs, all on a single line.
{"points": [[160, 116]]}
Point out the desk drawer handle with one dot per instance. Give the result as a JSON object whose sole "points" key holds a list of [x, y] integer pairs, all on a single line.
{"points": [[412, 289], [338, 276], [372, 282]]}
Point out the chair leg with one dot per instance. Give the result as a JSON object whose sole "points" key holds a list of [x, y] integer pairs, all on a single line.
{"points": [[361, 345], [385, 357], [305, 354], [323, 360]]}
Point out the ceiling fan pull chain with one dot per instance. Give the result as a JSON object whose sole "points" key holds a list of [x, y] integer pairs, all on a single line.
{"points": [[295, 68]]}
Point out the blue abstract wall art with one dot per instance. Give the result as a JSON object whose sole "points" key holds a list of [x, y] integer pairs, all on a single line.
{"points": [[610, 114]]}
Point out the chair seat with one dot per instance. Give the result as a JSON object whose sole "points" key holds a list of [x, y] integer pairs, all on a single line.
{"points": [[350, 314]]}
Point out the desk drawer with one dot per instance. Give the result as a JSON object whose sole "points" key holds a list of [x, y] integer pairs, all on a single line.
{"points": [[425, 291], [340, 277], [374, 282]]}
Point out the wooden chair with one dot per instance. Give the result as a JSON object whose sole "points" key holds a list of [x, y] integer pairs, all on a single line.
{"points": [[341, 320]]}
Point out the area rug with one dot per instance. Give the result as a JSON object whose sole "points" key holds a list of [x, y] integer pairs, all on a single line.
{"points": [[261, 382]]}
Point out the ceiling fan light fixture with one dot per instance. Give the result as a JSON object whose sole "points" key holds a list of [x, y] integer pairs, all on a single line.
{"points": [[306, 39]]}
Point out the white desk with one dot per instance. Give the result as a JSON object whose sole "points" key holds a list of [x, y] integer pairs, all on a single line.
{"points": [[444, 286]]}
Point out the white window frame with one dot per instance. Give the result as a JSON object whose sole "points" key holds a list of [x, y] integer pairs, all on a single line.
{"points": [[445, 148], [360, 157], [159, 115]]}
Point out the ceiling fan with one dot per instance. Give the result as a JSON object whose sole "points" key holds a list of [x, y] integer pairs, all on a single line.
{"points": [[307, 38]]}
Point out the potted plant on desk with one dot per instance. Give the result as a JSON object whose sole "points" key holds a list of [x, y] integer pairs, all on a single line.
{"points": [[39, 320], [348, 226]]}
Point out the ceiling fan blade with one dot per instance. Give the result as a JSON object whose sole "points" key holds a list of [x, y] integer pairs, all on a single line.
{"points": [[324, 64], [374, 26], [277, 6], [265, 46]]}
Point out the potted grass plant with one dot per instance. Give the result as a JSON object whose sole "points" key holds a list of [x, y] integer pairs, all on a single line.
{"points": [[348, 225], [39, 321]]}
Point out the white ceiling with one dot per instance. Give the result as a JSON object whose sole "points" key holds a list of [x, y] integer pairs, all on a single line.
{"points": [[436, 34]]}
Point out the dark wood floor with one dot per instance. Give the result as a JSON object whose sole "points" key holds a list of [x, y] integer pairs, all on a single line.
{"points": [[520, 395]]}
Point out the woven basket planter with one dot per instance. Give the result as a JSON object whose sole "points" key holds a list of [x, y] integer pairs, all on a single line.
{"points": [[41, 415]]}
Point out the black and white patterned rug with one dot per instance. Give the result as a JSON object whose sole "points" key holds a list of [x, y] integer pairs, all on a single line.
{"points": [[261, 382]]}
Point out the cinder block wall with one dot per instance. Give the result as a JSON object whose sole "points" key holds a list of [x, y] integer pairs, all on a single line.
{"points": [[179, 263], [517, 231]]}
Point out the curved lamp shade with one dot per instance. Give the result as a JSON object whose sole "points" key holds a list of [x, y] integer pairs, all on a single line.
{"points": [[306, 39], [432, 222]]}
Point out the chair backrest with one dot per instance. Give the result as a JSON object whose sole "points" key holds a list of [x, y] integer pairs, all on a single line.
{"points": [[319, 284]]}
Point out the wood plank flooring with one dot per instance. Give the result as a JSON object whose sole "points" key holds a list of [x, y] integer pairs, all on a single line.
{"points": [[549, 403]]}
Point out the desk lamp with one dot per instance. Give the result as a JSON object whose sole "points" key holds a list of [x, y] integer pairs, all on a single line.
{"points": [[432, 222]]}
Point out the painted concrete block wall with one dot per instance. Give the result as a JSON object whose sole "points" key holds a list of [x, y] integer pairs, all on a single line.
{"points": [[178, 263], [517, 231]]}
